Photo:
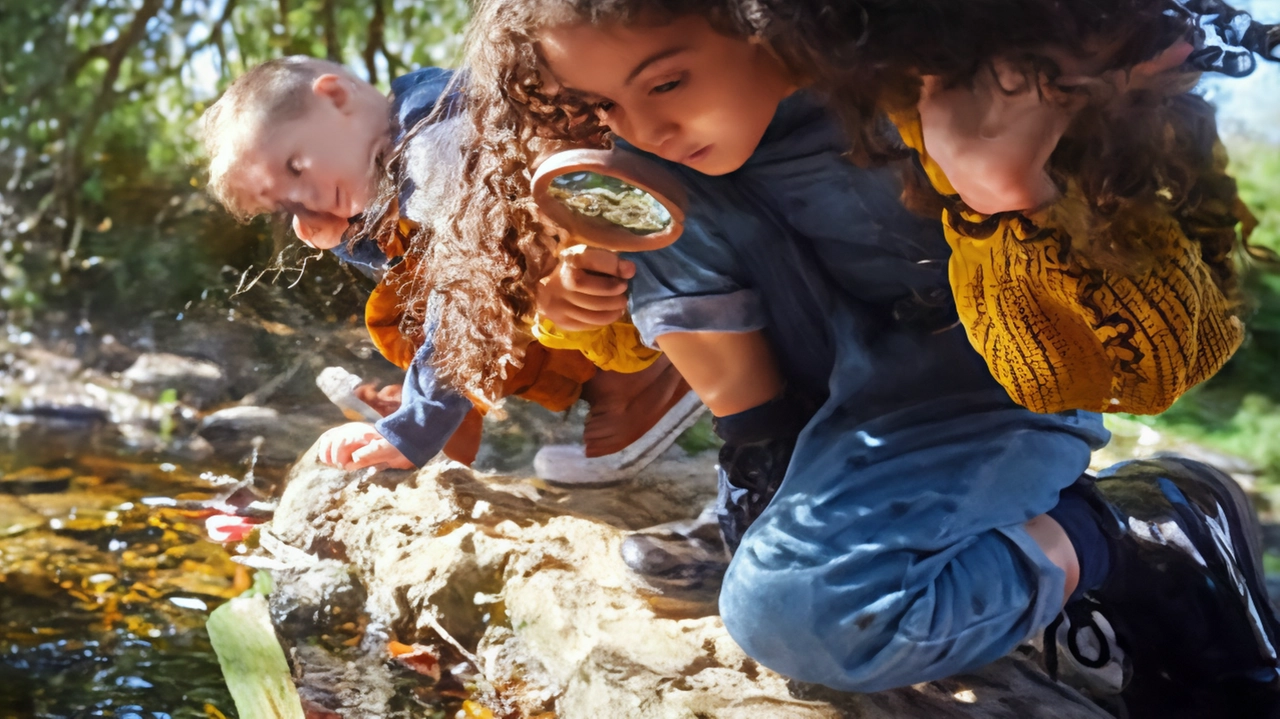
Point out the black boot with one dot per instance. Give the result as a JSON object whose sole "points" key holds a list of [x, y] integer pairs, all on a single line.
{"points": [[681, 555], [754, 459], [1185, 599]]}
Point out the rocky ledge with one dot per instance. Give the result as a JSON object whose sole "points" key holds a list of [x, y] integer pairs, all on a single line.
{"points": [[512, 594]]}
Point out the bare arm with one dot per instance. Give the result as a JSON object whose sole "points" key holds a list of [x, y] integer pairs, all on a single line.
{"points": [[729, 371]]}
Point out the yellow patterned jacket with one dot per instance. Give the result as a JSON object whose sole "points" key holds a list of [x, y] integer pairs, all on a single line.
{"points": [[1060, 335], [615, 347]]}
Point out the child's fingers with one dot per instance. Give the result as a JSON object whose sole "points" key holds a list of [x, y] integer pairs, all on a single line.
{"points": [[366, 456], [379, 451], [595, 303], [594, 259], [1169, 58], [581, 320], [578, 319], [328, 442], [344, 449], [588, 282]]}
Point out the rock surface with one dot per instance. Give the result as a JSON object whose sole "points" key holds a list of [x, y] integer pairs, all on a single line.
{"points": [[201, 382], [521, 589]]}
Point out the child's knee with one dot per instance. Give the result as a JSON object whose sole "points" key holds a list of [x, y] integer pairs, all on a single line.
{"points": [[790, 623], [762, 616]]}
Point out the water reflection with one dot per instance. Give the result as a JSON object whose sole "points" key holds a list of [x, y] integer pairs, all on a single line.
{"points": [[623, 204], [100, 594]]}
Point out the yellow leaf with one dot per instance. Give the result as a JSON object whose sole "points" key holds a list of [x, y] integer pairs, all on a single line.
{"points": [[277, 328], [475, 710]]}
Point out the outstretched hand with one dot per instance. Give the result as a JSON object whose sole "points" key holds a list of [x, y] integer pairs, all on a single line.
{"points": [[994, 137], [357, 445], [588, 289]]}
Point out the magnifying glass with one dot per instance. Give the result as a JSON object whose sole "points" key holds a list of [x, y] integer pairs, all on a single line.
{"points": [[611, 199]]}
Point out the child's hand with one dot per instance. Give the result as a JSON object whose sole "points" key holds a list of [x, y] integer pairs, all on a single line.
{"points": [[992, 140], [358, 445], [587, 290], [318, 231], [384, 401]]}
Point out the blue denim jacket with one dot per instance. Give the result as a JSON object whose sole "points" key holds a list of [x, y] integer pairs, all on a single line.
{"points": [[430, 412], [817, 253]]}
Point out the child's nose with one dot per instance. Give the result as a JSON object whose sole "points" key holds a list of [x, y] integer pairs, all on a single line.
{"points": [[654, 132]]}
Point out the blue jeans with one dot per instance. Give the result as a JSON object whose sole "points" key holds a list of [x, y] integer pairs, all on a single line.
{"points": [[894, 553]]}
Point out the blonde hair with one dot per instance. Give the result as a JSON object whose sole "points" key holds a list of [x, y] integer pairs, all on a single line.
{"points": [[277, 91]]}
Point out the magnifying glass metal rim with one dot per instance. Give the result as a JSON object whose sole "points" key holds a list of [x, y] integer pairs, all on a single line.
{"points": [[625, 166]]}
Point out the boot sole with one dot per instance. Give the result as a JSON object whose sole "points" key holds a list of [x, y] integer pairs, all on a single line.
{"points": [[1246, 532]]}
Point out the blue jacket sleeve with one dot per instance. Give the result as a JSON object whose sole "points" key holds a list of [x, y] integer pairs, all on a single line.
{"points": [[416, 94], [694, 285], [364, 254], [430, 412]]}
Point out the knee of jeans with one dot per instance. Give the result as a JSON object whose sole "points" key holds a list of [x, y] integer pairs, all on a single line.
{"points": [[813, 636], [761, 616]]}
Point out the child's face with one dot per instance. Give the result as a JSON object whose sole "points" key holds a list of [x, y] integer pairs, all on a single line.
{"points": [[681, 91], [321, 166]]}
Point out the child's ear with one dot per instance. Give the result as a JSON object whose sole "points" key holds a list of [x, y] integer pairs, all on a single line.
{"points": [[333, 88]]}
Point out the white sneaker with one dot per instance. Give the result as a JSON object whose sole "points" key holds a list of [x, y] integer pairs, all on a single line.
{"points": [[568, 464], [340, 386]]}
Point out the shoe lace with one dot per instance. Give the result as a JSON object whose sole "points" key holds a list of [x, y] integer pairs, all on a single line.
{"points": [[1081, 615]]}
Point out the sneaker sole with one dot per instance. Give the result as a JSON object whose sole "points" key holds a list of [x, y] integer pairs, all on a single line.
{"points": [[574, 470], [1246, 532]]}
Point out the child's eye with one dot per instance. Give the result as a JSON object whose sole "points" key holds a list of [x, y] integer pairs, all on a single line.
{"points": [[666, 87], [294, 168], [605, 105]]}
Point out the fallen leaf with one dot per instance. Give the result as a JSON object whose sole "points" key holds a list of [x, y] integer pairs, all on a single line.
{"points": [[475, 710], [228, 528], [420, 658]]}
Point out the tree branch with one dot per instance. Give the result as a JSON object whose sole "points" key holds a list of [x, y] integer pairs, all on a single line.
{"points": [[329, 16], [69, 175], [215, 32], [375, 39]]}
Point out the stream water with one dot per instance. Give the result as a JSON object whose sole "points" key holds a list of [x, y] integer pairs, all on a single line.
{"points": [[104, 590]]}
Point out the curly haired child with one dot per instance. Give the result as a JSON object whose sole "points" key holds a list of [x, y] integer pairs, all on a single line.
{"points": [[926, 524], [308, 137], [1082, 189]]}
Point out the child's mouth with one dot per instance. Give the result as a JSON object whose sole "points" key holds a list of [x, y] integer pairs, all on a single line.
{"points": [[696, 155]]}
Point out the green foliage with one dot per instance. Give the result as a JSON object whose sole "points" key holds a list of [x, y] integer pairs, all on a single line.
{"points": [[700, 437], [98, 164], [1238, 411]]}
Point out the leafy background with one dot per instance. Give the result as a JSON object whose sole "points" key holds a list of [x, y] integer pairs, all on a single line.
{"points": [[102, 221]]}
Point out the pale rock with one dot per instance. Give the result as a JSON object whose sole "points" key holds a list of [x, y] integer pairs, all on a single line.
{"points": [[198, 381], [530, 584]]}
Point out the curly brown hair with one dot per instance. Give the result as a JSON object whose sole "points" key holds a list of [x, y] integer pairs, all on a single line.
{"points": [[1131, 153], [467, 277], [503, 248], [1127, 153], [486, 260]]}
